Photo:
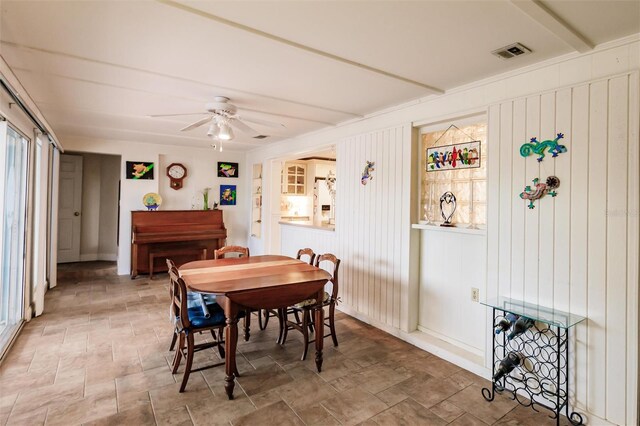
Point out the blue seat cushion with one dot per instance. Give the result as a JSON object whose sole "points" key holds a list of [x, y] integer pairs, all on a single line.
{"points": [[198, 320], [193, 300]]}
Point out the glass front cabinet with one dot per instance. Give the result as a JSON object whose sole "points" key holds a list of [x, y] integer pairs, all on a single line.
{"points": [[294, 179]]}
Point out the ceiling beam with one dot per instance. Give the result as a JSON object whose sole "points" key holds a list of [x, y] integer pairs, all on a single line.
{"points": [[173, 77], [254, 31], [556, 25]]}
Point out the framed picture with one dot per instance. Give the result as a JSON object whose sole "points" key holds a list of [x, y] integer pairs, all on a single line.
{"points": [[227, 170], [228, 195], [453, 157], [139, 170]]}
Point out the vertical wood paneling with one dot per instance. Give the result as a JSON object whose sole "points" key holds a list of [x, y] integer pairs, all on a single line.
{"points": [[532, 218], [580, 250], [506, 192], [633, 248], [562, 205], [403, 226], [392, 240], [493, 214], [368, 224], [518, 208], [546, 205], [375, 234], [579, 151], [616, 278], [596, 261], [366, 229]]}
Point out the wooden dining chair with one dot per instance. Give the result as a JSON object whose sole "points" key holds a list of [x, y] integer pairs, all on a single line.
{"points": [[188, 322], [282, 313], [306, 252], [193, 300], [221, 253], [306, 308]]}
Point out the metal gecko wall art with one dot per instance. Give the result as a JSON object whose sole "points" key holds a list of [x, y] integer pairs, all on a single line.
{"points": [[536, 147], [366, 174], [540, 190]]}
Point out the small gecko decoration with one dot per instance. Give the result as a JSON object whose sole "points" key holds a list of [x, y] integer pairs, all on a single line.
{"points": [[366, 174], [535, 147], [540, 190]]}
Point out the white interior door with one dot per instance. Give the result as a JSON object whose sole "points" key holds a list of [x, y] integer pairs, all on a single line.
{"points": [[69, 204]]}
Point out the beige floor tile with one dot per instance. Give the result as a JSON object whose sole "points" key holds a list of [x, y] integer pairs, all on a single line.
{"points": [[525, 416], [468, 420], [87, 409], [263, 379], [33, 417], [109, 371], [305, 392], [378, 378], [130, 400], [48, 396], [354, 406], [219, 410], [391, 396], [471, 400], [408, 413], [447, 411], [6, 404], [177, 416], [145, 380], [168, 397], [317, 415], [139, 416], [276, 414], [427, 390]]}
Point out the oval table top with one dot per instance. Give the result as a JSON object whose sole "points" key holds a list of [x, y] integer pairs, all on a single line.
{"points": [[227, 276]]}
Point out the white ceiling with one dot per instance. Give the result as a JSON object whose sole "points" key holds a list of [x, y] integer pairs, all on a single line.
{"points": [[99, 69]]}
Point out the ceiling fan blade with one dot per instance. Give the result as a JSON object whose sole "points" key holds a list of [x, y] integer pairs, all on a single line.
{"points": [[176, 115], [197, 123], [263, 122], [246, 129]]}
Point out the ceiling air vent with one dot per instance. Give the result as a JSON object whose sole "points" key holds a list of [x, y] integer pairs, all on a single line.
{"points": [[260, 136], [511, 51]]}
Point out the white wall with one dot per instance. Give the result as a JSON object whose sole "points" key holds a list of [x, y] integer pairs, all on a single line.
{"points": [[579, 258], [201, 164], [577, 252]]}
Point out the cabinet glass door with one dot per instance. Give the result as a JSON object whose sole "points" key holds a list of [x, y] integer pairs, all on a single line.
{"points": [[13, 194]]}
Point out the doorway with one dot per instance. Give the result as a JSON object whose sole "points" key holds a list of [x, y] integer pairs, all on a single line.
{"points": [[88, 207], [14, 152]]}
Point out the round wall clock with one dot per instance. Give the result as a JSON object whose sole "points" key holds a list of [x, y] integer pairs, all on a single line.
{"points": [[176, 172]]}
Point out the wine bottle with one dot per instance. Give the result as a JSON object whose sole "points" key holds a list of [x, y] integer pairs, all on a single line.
{"points": [[520, 326], [511, 361], [505, 323]]}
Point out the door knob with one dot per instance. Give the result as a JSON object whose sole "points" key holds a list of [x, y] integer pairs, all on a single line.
{"points": [[76, 213]]}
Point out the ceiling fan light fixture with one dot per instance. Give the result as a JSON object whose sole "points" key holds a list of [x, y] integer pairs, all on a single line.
{"points": [[213, 131], [225, 131]]}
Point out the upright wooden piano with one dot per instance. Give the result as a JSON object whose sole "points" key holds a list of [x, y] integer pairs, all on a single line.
{"points": [[178, 232]]}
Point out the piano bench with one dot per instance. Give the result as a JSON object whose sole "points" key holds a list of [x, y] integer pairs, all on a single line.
{"points": [[200, 251]]}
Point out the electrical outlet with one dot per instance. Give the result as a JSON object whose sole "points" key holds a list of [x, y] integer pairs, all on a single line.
{"points": [[475, 294]]}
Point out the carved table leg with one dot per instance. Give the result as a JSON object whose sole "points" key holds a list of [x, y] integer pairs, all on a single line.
{"points": [[231, 340], [319, 326]]}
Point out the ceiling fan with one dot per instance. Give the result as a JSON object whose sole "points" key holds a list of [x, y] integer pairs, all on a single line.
{"points": [[224, 119]]}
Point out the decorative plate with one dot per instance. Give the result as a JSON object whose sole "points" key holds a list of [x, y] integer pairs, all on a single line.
{"points": [[152, 201]]}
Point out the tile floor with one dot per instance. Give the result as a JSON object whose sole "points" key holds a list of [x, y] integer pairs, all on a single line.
{"points": [[99, 356]]}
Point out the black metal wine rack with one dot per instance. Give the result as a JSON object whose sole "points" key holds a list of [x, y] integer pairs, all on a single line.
{"points": [[541, 381]]}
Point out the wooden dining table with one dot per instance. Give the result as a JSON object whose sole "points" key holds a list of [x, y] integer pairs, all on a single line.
{"points": [[258, 282]]}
